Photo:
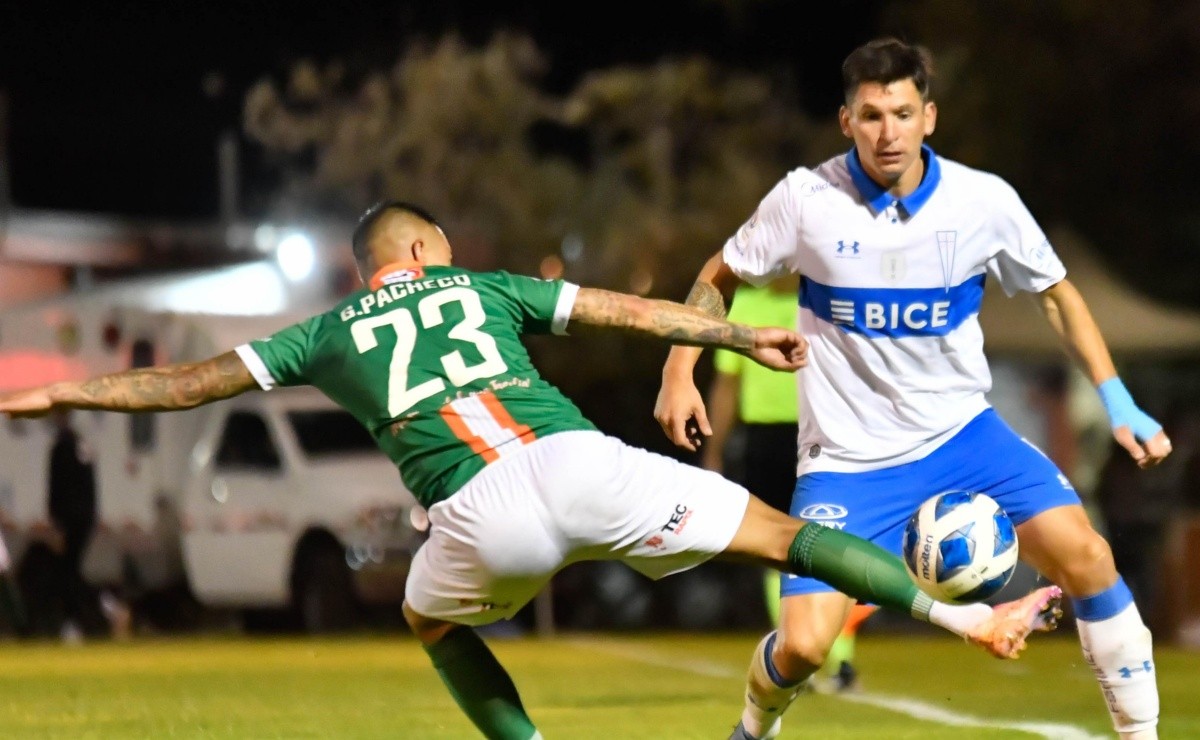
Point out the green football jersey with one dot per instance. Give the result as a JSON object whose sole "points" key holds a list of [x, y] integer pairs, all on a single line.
{"points": [[433, 366]]}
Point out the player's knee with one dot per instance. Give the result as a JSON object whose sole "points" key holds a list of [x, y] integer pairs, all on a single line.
{"points": [[427, 630], [798, 652], [1088, 559], [415, 621]]}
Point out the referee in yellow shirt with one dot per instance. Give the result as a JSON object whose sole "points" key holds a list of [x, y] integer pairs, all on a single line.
{"points": [[761, 400], [763, 404]]}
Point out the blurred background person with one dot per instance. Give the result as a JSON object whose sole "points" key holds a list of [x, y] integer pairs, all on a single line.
{"points": [[1137, 507], [11, 602], [72, 507]]}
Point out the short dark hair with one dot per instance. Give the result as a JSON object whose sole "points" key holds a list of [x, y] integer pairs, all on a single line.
{"points": [[887, 60], [370, 217]]}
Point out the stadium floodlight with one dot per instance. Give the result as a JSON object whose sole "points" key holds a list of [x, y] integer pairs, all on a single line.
{"points": [[296, 255]]}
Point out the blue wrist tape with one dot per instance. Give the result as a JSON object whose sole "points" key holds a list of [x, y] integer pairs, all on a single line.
{"points": [[1122, 411]]}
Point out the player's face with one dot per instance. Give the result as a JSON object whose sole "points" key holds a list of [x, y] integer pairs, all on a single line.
{"points": [[888, 123]]}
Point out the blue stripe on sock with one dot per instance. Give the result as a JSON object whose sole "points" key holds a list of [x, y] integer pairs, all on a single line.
{"points": [[773, 672], [1106, 604]]}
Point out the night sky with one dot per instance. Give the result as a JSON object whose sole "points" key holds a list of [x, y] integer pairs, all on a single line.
{"points": [[108, 110]]}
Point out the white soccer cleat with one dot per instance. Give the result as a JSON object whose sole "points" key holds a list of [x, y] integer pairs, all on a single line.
{"points": [[1003, 633], [740, 732]]}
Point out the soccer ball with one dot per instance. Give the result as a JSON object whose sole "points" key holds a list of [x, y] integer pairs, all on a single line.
{"points": [[960, 547]]}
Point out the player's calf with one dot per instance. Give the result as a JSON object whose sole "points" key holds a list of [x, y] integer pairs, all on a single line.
{"points": [[1120, 650], [768, 694], [476, 680], [480, 686]]}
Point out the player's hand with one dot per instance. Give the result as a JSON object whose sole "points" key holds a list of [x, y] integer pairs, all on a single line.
{"points": [[779, 349], [26, 404], [1135, 430], [680, 412], [1146, 453]]}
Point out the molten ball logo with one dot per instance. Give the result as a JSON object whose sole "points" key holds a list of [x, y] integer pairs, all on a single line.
{"points": [[927, 557]]}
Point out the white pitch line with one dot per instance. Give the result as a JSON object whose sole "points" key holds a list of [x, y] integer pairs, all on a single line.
{"points": [[709, 668], [931, 713], [910, 707]]}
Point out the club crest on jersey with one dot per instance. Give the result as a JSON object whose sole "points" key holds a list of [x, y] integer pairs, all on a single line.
{"points": [[847, 249], [893, 266], [947, 241]]}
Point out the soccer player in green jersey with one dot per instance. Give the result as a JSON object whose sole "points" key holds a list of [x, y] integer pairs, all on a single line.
{"points": [[517, 482]]}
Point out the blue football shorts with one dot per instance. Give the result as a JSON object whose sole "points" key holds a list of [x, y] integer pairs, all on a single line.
{"points": [[987, 456]]}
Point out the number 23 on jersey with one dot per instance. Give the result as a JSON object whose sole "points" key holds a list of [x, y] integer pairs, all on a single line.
{"points": [[429, 312]]}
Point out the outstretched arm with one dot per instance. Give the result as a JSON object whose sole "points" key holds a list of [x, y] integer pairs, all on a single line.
{"points": [[165, 388], [1136, 431], [777, 348]]}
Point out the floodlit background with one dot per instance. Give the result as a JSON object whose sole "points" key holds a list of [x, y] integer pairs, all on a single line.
{"points": [[159, 161]]}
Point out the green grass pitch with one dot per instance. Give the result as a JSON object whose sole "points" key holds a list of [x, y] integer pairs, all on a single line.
{"points": [[675, 685]]}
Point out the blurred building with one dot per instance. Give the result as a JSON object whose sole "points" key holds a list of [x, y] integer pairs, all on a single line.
{"points": [[47, 252]]}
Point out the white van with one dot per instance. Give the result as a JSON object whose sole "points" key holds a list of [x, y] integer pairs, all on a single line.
{"points": [[266, 503]]}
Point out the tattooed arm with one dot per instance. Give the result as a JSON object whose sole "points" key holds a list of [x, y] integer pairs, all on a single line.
{"points": [[711, 294], [165, 388], [680, 407], [775, 347], [663, 319], [713, 290]]}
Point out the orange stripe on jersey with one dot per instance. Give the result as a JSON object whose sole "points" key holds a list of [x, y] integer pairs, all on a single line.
{"points": [[501, 415], [463, 432]]}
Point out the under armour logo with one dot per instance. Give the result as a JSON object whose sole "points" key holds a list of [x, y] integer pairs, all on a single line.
{"points": [[1127, 672], [843, 246]]}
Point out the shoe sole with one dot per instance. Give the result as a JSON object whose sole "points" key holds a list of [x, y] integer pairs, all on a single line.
{"points": [[1043, 618]]}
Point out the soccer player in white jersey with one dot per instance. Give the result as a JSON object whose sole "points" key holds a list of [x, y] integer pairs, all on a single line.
{"points": [[518, 484], [893, 244]]}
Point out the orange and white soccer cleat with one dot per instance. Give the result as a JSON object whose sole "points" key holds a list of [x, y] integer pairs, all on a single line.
{"points": [[1003, 633]]}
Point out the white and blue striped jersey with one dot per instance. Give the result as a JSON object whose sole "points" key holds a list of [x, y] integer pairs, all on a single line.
{"points": [[889, 300]]}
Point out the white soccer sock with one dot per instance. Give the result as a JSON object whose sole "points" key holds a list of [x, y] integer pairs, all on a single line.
{"points": [[1120, 651], [959, 619], [766, 699]]}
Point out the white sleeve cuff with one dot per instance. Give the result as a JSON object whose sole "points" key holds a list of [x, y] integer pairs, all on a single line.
{"points": [[256, 366], [562, 311]]}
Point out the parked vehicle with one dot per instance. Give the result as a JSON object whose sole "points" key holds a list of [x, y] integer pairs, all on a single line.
{"points": [[272, 503]]}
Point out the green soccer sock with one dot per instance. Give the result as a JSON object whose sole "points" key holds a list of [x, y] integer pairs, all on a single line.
{"points": [[857, 568], [480, 686]]}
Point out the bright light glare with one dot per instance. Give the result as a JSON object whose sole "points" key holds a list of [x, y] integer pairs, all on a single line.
{"points": [[572, 247], [254, 288], [296, 256], [264, 238]]}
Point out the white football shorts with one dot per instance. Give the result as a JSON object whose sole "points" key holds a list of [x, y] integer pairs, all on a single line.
{"points": [[571, 496]]}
